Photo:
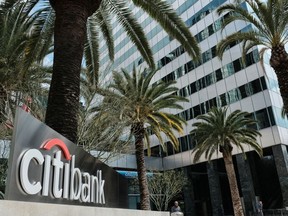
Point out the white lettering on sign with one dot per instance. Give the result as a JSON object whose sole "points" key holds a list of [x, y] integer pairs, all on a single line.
{"points": [[77, 185], [35, 187]]}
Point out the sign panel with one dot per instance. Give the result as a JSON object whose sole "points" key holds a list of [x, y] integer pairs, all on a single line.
{"points": [[46, 167]]}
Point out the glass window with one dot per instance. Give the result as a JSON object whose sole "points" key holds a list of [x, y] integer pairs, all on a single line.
{"points": [[189, 67], [170, 149], [252, 57], [249, 59], [232, 44], [271, 116], [263, 83], [237, 65], [171, 76], [207, 105], [193, 88], [210, 78], [278, 117], [211, 29], [252, 116], [242, 91], [164, 79], [212, 103], [249, 89], [196, 111], [234, 95], [218, 100], [213, 51], [186, 115], [217, 25], [226, 16], [149, 131], [179, 72], [184, 91], [198, 38], [256, 86], [256, 55], [192, 141], [200, 84], [184, 143], [191, 113], [162, 152], [155, 151], [218, 75], [203, 108], [182, 115], [206, 56], [159, 65], [204, 33], [228, 70], [262, 118], [181, 50], [223, 100]]}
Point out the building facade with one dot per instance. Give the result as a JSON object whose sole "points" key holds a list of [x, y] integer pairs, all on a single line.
{"points": [[213, 83]]}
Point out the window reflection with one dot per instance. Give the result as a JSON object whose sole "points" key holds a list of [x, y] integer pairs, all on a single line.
{"points": [[264, 118], [227, 98]]}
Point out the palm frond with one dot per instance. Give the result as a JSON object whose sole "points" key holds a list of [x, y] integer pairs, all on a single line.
{"points": [[163, 13], [239, 13], [139, 104], [91, 51], [217, 129], [235, 37], [104, 21], [132, 27]]}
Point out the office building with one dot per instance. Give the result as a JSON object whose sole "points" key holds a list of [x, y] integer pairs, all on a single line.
{"points": [[213, 83]]}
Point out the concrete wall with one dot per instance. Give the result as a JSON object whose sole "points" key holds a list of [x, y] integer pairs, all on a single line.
{"points": [[13, 208]]}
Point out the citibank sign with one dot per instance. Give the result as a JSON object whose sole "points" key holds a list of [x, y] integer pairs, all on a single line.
{"points": [[46, 167], [77, 185]]}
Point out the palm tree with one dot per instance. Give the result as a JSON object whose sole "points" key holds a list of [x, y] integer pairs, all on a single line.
{"points": [[131, 101], [20, 73], [14, 28], [73, 34], [18, 25], [217, 131], [269, 29]]}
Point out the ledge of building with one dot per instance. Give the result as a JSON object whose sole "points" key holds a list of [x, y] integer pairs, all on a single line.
{"points": [[12, 208]]}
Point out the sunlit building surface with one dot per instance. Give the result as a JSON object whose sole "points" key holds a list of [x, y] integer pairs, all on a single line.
{"points": [[213, 83]]}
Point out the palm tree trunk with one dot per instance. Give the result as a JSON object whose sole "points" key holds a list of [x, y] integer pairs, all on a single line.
{"points": [[138, 132], [279, 62], [69, 38], [237, 206]]}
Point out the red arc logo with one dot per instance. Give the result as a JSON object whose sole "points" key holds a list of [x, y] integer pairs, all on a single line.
{"points": [[60, 144]]}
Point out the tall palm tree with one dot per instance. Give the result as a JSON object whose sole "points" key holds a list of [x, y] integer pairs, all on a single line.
{"points": [[131, 101], [269, 29], [217, 131], [75, 31]]}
